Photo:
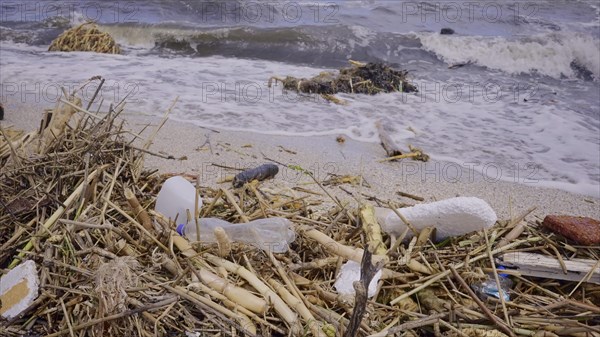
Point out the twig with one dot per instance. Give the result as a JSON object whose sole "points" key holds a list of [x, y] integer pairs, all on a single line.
{"points": [[367, 272], [116, 316], [481, 305]]}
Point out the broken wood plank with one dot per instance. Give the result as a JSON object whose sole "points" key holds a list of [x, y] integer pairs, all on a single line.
{"points": [[539, 265]]}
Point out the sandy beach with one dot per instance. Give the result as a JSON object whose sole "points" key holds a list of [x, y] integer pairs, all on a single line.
{"points": [[489, 226], [217, 154]]}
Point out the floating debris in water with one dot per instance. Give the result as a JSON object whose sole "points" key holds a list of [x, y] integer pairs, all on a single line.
{"points": [[85, 37], [360, 78]]}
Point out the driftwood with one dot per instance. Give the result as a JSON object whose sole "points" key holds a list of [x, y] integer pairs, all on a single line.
{"points": [[389, 145], [539, 265], [394, 151]]}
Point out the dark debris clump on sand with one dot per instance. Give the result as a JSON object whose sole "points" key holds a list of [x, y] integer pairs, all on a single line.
{"points": [[359, 78]]}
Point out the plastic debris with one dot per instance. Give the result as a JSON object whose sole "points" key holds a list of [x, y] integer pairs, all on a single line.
{"points": [[349, 273], [270, 234], [18, 289], [176, 197], [489, 287]]}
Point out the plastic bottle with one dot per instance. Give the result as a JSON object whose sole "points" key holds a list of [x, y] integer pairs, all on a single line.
{"points": [[270, 234], [489, 287], [176, 196]]}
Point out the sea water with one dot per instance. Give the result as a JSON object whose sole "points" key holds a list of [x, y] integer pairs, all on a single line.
{"points": [[521, 102]]}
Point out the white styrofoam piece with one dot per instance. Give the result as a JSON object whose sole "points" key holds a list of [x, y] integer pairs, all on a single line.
{"points": [[349, 273], [25, 271], [450, 217]]}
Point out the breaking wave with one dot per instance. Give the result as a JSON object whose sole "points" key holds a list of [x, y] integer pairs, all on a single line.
{"points": [[553, 54]]}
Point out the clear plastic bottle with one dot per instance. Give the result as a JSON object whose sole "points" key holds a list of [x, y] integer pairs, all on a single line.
{"points": [[270, 234]]}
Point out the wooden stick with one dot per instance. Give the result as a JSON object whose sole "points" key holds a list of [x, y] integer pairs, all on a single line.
{"points": [[391, 148], [411, 196]]}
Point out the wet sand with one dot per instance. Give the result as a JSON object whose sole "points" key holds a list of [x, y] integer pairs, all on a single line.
{"points": [[217, 154]]}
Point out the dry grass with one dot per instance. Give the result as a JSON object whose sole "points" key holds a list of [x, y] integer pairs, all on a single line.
{"points": [[106, 271], [85, 37]]}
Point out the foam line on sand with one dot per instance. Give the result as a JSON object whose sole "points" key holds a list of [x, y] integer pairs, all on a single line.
{"points": [[323, 155]]}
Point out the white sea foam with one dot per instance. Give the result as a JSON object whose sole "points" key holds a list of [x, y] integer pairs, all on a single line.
{"points": [[549, 54], [505, 133]]}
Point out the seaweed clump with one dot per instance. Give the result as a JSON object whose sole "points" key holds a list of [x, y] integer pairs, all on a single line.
{"points": [[359, 78], [85, 37]]}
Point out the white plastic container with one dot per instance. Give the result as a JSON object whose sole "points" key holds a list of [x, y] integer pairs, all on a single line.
{"points": [[176, 196]]}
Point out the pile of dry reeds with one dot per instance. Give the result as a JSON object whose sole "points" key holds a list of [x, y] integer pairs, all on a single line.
{"points": [[85, 37], [76, 200]]}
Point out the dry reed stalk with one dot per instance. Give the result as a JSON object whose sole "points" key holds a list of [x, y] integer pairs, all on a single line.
{"points": [[459, 265], [59, 121], [299, 307], [223, 242], [59, 185], [488, 313], [233, 306], [232, 292], [278, 304], [336, 248], [59, 212], [139, 212], [372, 229]]}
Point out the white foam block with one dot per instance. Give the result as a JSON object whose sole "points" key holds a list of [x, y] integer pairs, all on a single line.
{"points": [[349, 273], [450, 217], [18, 289]]}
